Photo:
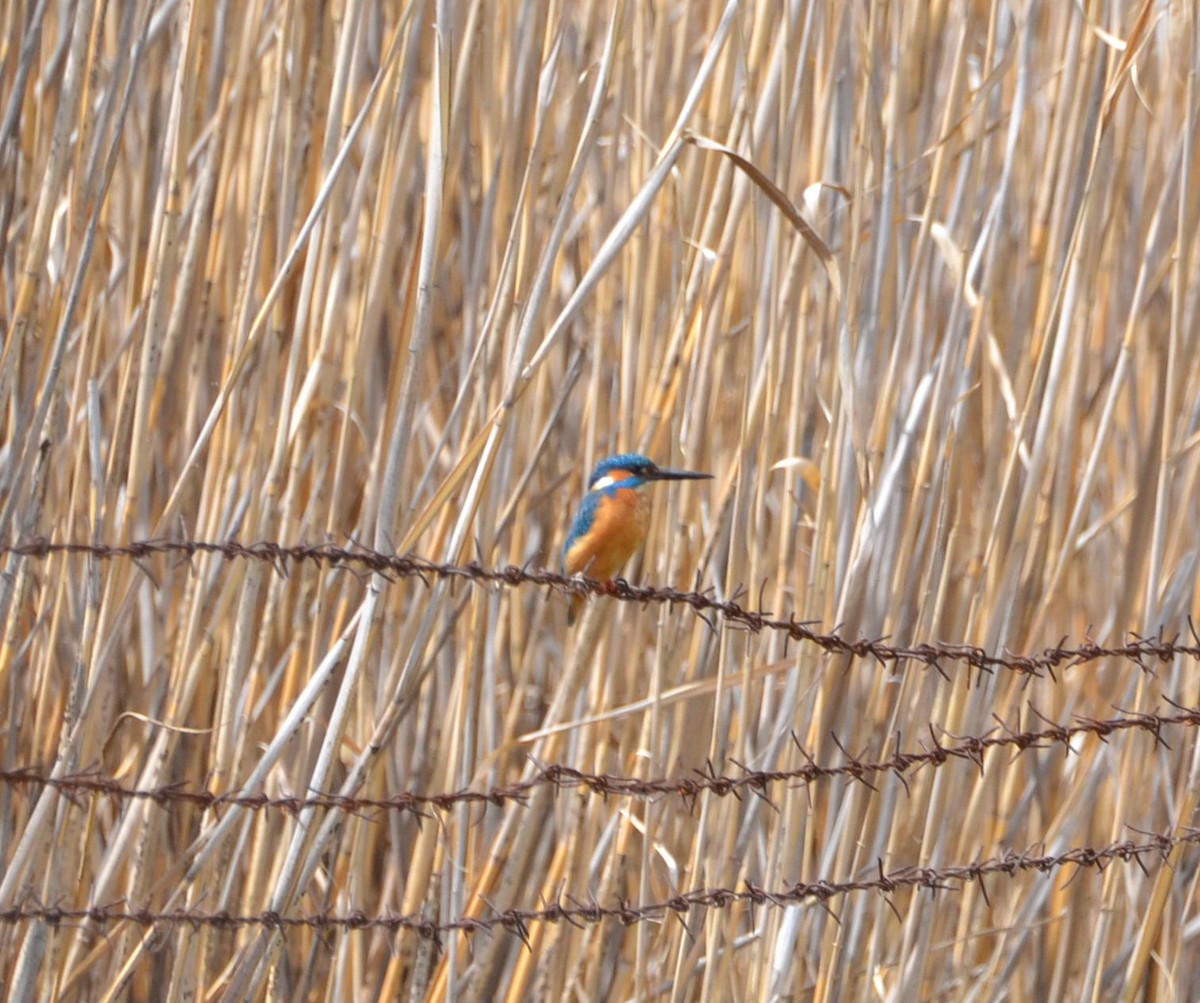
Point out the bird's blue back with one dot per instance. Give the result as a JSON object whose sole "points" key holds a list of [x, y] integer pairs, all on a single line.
{"points": [[583, 520]]}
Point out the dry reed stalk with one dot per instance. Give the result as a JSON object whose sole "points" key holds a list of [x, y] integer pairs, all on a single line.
{"points": [[913, 281]]}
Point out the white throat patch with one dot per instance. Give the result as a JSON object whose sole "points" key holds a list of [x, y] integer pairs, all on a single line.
{"points": [[605, 482]]}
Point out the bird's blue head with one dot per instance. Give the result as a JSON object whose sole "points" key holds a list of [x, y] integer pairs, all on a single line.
{"points": [[632, 470]]}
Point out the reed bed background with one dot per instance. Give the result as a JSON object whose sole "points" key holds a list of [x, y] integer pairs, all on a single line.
{"points": [[392, 276]]}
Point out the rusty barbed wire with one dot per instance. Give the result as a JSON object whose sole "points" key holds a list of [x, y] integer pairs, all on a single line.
{"points": [[580, 913], [1140, 650], [688, 788]]}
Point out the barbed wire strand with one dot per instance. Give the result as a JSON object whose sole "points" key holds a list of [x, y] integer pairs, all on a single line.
{"points": [[1141, 650], [688, 788], [579, 913]]}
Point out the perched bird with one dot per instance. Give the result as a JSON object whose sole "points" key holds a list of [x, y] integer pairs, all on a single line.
{"points": [[613, 519]]}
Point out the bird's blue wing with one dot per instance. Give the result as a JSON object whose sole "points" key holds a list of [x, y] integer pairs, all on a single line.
{"points": [[583, 522]]}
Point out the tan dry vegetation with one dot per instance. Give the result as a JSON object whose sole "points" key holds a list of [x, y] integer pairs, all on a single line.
{"points": [[399, 273]]}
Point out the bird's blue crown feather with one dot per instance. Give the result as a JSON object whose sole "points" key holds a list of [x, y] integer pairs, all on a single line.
{"points": [[622, 461]]}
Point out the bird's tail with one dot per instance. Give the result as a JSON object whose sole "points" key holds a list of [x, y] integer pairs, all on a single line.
{"points": [[574, 607]]}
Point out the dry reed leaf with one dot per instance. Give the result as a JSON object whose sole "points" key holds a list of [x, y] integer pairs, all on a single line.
{"points": [[782, 202], [808, 470], [953, 256], [1132, 46]]}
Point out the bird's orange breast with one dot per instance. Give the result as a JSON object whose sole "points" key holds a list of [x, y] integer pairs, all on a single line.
{"points": [[619, 528]]}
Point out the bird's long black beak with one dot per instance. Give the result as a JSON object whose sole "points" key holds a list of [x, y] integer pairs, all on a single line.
{"points": [[678, 475]]}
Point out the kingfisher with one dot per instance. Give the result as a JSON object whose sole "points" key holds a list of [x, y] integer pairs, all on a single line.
{"points": [[614, 517]]}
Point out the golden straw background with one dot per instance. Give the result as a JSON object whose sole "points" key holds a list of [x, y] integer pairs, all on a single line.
{"points": [[395, 275]]}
